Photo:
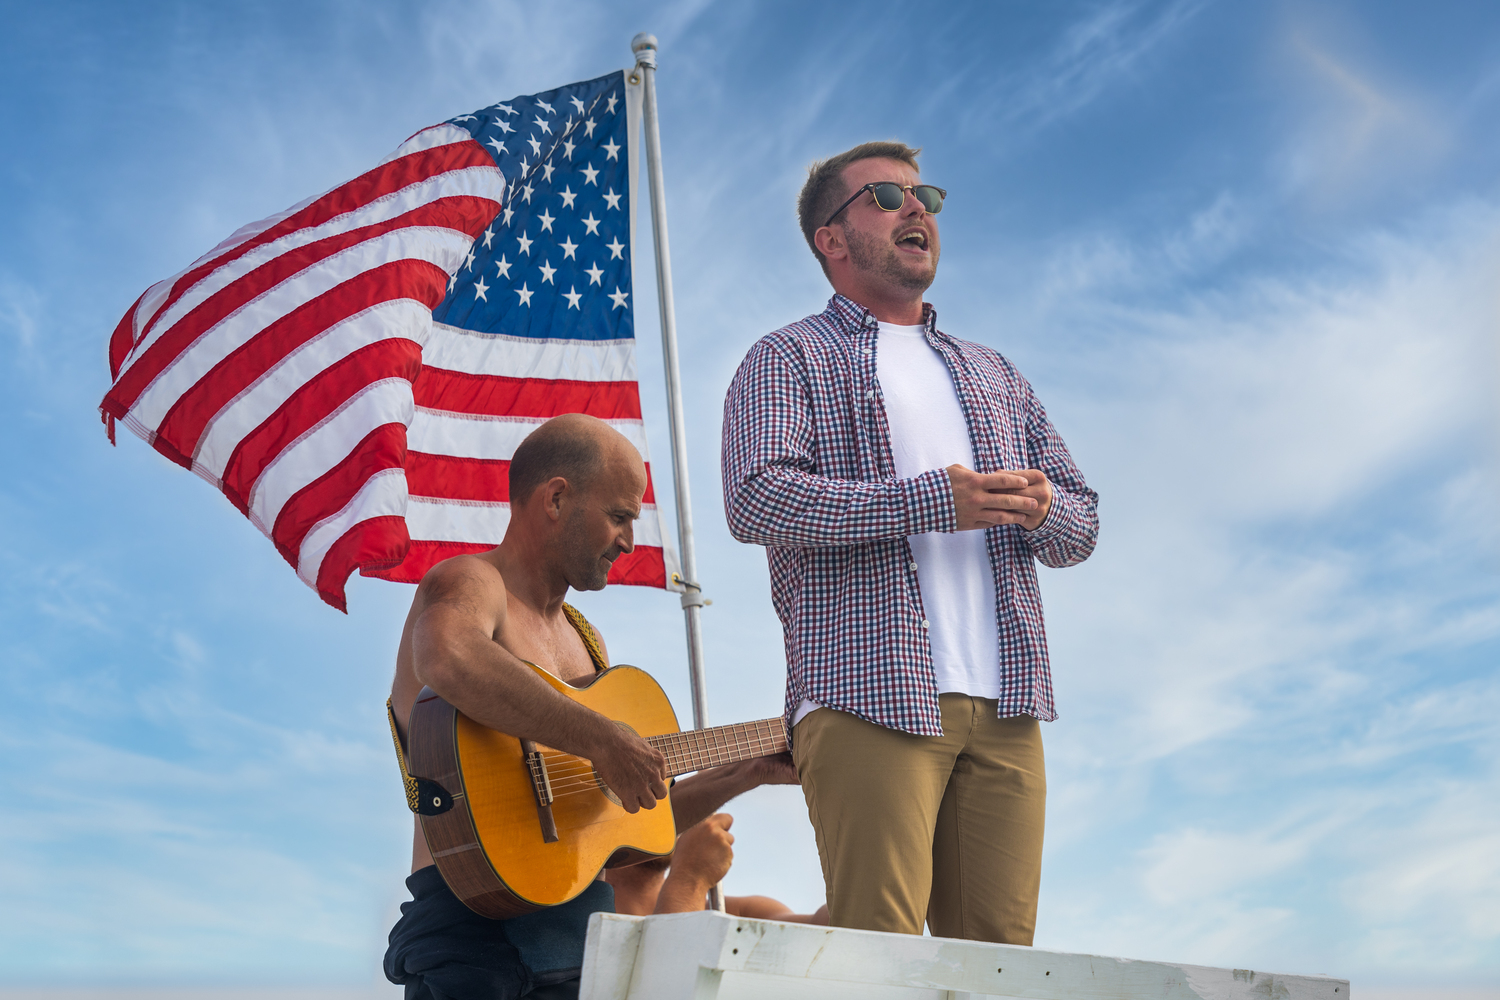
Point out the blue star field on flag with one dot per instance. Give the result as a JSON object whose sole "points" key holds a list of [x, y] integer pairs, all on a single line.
{"points": [[556, 261]]}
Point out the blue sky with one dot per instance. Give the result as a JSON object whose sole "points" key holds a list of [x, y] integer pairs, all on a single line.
{"points": [[1247, 254]]}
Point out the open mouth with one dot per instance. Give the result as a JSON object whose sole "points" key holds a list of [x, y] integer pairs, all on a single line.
{"points": [[913, 239]]}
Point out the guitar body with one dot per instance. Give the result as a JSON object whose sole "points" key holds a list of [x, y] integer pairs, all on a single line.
{"points": [[490, 847]]}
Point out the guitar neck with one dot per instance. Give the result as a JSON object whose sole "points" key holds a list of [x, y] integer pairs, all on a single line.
{"points": [[696, 749]]}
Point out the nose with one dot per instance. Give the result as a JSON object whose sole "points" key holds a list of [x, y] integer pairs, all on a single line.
{"points": [[911, 205], [626, 539]]}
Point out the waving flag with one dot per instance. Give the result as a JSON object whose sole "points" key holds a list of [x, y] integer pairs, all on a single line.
{"points": [[355, 373]]}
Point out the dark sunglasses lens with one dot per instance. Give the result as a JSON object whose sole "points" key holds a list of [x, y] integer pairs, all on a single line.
{"points": [[930, 197], [889, 197]]}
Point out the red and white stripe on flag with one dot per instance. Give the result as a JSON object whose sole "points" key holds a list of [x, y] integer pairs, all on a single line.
{"points": [[280, 367]]}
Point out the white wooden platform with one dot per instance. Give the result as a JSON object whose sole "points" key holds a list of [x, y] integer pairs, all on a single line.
{"points": [[711, 956]]}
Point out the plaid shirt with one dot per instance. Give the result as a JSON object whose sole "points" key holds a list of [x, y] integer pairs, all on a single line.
{"points": [[808, 473]]}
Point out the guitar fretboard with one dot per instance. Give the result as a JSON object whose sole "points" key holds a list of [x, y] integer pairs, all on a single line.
{"points": [[696, 749]]}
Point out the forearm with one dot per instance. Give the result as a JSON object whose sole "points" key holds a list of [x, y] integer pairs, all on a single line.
{"points": [[498, 691], [682, 893], [700, 795]]}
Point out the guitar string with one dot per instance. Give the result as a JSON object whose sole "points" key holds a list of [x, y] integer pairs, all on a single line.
{"points": [[581, 778], [744, 750], [673, 748]]}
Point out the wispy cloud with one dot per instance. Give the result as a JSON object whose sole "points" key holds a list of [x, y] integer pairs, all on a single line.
{"points": [[1094, 53]]}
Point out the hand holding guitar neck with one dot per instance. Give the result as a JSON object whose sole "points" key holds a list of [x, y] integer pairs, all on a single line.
{"points": [[632, 768]]}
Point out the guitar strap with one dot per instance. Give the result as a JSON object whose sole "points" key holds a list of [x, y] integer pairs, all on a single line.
{"points": [[586, 633], [416, 798]]}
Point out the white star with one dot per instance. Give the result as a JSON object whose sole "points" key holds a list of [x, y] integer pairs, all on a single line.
{"points": [[480, 288], [592, 224], [499, 146], [464, 118], [567, 195], [613, 100], [452, 280], [544, 126], [568, 246], [469, 258], [536, 147], [503, 266], [589, 173], [577, 104], [618, 297], [525, 244], [525, 295], [546, 221], [545, 107], [489, 234], [508, 213], [506, 108], [547, 272], [573, 295], [594, 274], [568, 147], [523, 166], [504, 126], [613, 199], [547, 171], [616, 249], [611, 150], [526, 193], [588, 127]]}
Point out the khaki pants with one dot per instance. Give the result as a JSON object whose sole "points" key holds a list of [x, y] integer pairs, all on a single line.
{"points": [[943, 828]]}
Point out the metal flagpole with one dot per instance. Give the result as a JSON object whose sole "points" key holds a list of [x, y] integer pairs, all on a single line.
{"points": [[644, 47]]}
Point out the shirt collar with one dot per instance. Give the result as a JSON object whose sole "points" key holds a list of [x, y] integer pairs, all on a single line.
{"points": [[853, 317]]}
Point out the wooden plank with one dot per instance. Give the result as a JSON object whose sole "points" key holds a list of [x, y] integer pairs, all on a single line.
{"points": [[684, 954]]}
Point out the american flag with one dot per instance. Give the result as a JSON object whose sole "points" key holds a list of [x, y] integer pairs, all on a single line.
{"points": [[354, 373]]}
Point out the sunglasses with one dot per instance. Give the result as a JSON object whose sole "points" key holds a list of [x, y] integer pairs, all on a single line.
{"points": [[890, 196]]}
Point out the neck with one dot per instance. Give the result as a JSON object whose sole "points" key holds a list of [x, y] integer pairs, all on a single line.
{"points": [[520, 564], [695, 749], [898, 310]]}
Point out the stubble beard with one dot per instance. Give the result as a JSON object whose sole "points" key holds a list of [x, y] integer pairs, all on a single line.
{"points": [[876, 255], [583, 565]]}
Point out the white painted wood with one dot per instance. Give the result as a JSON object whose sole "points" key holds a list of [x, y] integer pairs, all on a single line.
{"points": [[712, 956]]}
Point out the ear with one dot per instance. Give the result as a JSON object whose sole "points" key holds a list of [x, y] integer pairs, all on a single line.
{"points": [[553, 491], [830, 242]]}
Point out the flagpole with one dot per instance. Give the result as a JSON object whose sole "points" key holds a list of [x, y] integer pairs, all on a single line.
{"points": [[644, 47]]}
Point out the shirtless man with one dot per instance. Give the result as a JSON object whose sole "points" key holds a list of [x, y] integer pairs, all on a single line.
{"points": [[576, 486]]}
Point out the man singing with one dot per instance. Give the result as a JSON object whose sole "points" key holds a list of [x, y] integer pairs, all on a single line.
{"points": [[904, 482]]}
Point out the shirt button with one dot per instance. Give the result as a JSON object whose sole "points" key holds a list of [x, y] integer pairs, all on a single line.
{"points": [[865, 351], [926, 623], [913, 565], [870, 394]]}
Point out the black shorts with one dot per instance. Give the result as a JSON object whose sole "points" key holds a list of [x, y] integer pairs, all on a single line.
{"points": [[442, 950]]}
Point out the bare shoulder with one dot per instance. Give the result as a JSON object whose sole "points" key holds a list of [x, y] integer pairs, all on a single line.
{"points": [[466, 583]]}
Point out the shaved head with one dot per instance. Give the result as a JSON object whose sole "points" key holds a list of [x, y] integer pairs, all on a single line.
{"points": [[572, 446], [576, 486]]}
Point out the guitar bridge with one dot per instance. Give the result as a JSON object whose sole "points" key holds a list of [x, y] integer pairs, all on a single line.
{"points": [[541, 785]]}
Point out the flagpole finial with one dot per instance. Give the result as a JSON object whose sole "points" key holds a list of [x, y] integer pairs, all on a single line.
{"points": [[644, 47]]}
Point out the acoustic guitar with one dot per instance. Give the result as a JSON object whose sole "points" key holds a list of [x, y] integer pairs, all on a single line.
{"points": [[515, 826]]}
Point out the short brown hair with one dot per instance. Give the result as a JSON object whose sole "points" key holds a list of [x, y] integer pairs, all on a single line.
{"points": [[825, 186]]}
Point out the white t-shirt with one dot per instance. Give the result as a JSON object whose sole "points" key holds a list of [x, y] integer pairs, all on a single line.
{"points": [[928, 431]]}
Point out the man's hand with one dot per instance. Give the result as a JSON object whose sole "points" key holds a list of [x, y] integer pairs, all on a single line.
{"points": [[984, 500], [632, 768], [702, 859]]}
